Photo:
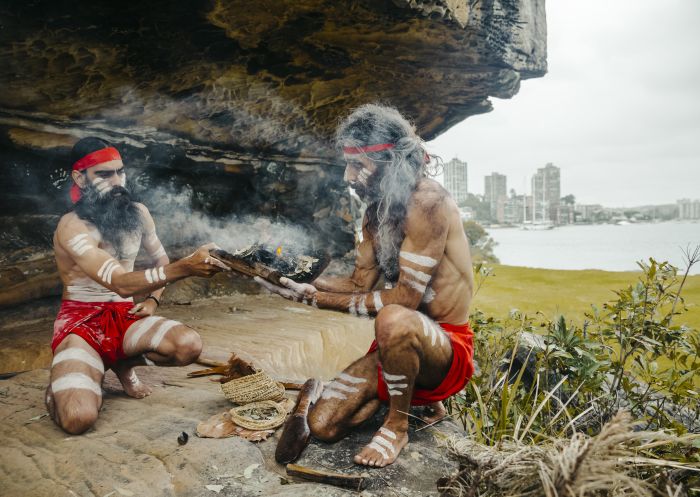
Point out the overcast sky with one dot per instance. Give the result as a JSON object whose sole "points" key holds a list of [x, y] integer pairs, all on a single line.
{"points": [[618, 111]]}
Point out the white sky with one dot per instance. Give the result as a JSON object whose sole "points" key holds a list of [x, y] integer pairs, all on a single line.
{"points": [[618, 111]]}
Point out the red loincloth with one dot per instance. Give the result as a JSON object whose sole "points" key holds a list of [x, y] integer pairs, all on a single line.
{"points": [[461, 337], [100, 324]]}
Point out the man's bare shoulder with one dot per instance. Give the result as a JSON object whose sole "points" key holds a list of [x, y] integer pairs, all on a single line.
{"points": [[70, 222]]}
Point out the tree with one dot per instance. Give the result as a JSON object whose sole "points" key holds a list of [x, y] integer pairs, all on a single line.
{"points": [[568, 200], [480, 243]]}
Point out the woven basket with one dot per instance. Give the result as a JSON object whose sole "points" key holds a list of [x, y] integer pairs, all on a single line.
{"points": [[253, 388], [241, 415]]}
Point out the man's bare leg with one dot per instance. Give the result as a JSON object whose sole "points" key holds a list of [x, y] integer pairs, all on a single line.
{"points": [[74, 396], [155, 341], [296, 432], [408, 342]]}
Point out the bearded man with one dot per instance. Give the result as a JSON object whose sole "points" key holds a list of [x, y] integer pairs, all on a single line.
{"points": [[98, 327], [412, 234]]}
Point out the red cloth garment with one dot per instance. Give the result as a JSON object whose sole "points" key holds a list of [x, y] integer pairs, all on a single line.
{"points": [[462, 368], [100, 324]]}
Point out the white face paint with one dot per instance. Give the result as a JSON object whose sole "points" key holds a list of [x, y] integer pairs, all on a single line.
{"points": [[421, 260], [138, 330], [80, 244], [431, 330], [102, 186], [76, 354], [377, 300], [76, 381]]}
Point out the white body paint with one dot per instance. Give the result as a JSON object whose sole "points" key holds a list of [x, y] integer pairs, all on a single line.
{"points": [[375, 446], [80, 244], [418, 275], [160, 252], [88, 290], [428, 296], [156, 274], [387, 432], [416, 286], [362, 307], [76, 354], [352, 309], [139, 329], [377, 300], [430, 329], [421, 260], [336, 385], [148, 361], [392, 384], [76, 381], [332, 394], [106, 270], [163, 329], [351, 379]]}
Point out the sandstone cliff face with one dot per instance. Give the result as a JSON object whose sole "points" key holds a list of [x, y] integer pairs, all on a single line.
{"points": [[233, 104]]}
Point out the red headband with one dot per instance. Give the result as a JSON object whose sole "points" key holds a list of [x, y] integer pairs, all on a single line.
{"points": [[92, 159], [369, 148]]}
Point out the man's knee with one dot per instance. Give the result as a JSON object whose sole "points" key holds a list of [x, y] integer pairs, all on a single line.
{"points": [[77, 419], [188, 346], [394, 324], [323, 428]]}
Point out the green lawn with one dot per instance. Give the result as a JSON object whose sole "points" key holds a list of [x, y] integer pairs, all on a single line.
{"points": [[565, 292]]}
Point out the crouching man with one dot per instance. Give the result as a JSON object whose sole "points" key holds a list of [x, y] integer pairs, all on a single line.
{"points": [[413, 236], [98, 325]]}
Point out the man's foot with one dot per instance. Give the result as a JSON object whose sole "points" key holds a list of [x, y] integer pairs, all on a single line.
{"points": [[434, 412], [131, 383], [383, 449]]}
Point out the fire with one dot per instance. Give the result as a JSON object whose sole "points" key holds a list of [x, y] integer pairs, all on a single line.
{"points": [[279, 251]]}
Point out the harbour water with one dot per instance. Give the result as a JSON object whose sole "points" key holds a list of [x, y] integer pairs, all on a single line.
{"points": [[601, 246]]}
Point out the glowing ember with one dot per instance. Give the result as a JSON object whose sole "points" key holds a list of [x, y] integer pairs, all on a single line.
{"points": [[279, 251]]}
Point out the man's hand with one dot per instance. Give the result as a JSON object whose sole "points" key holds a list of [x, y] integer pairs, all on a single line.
{"points": [[202, 263], [298, 292], [145, 308]]}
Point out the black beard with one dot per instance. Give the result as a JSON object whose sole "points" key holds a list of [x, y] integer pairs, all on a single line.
{"points": [[115, 214], [371, 192], [387, 244]]}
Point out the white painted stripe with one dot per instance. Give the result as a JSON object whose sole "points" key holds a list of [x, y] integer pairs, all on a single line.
{"points": [[107, 269], [141, 327], [161, 273], [76, 354], [362, 307], [397, 385], [385, 443], [82, 246], [103, 267], [76, 381], [416, 286], [387, 432], [162, 330], [149, 278], [351, 306], [393, 377], [108, 274], [421, 260], [329, 393], [158, 253], [341, 386], [428, 329], [76, 239], [351, 379], [148, 361], [379, 449], [419, 275], [395, 392], [314, 302], [429, 296], [377, 300]]}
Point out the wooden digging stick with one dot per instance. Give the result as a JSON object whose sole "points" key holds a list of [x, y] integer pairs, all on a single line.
{"points": [[353, 481]]}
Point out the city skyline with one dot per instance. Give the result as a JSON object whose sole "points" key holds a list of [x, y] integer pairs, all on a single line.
{"points": [[618, 112]]}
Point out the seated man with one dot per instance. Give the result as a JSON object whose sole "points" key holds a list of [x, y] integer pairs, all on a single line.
{"points": [[98, 326], [412, 234]]}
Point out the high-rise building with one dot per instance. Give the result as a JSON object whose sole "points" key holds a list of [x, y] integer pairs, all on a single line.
{"points": [[456, 179], [546, 193], [688, 209], [495, 194]]}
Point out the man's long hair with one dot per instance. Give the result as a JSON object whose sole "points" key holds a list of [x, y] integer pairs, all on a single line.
{"points": [[399, 169]]}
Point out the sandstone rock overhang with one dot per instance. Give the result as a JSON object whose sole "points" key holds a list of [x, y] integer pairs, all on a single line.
{"points": [[237, 100]]}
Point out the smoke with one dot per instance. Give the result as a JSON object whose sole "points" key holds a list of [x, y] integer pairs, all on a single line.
{"points": [[180, 227]]}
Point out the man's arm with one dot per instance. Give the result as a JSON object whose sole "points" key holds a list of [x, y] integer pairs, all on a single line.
{"points": [[74, 237], [421, 253], [152, 244], [365, 274]]}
